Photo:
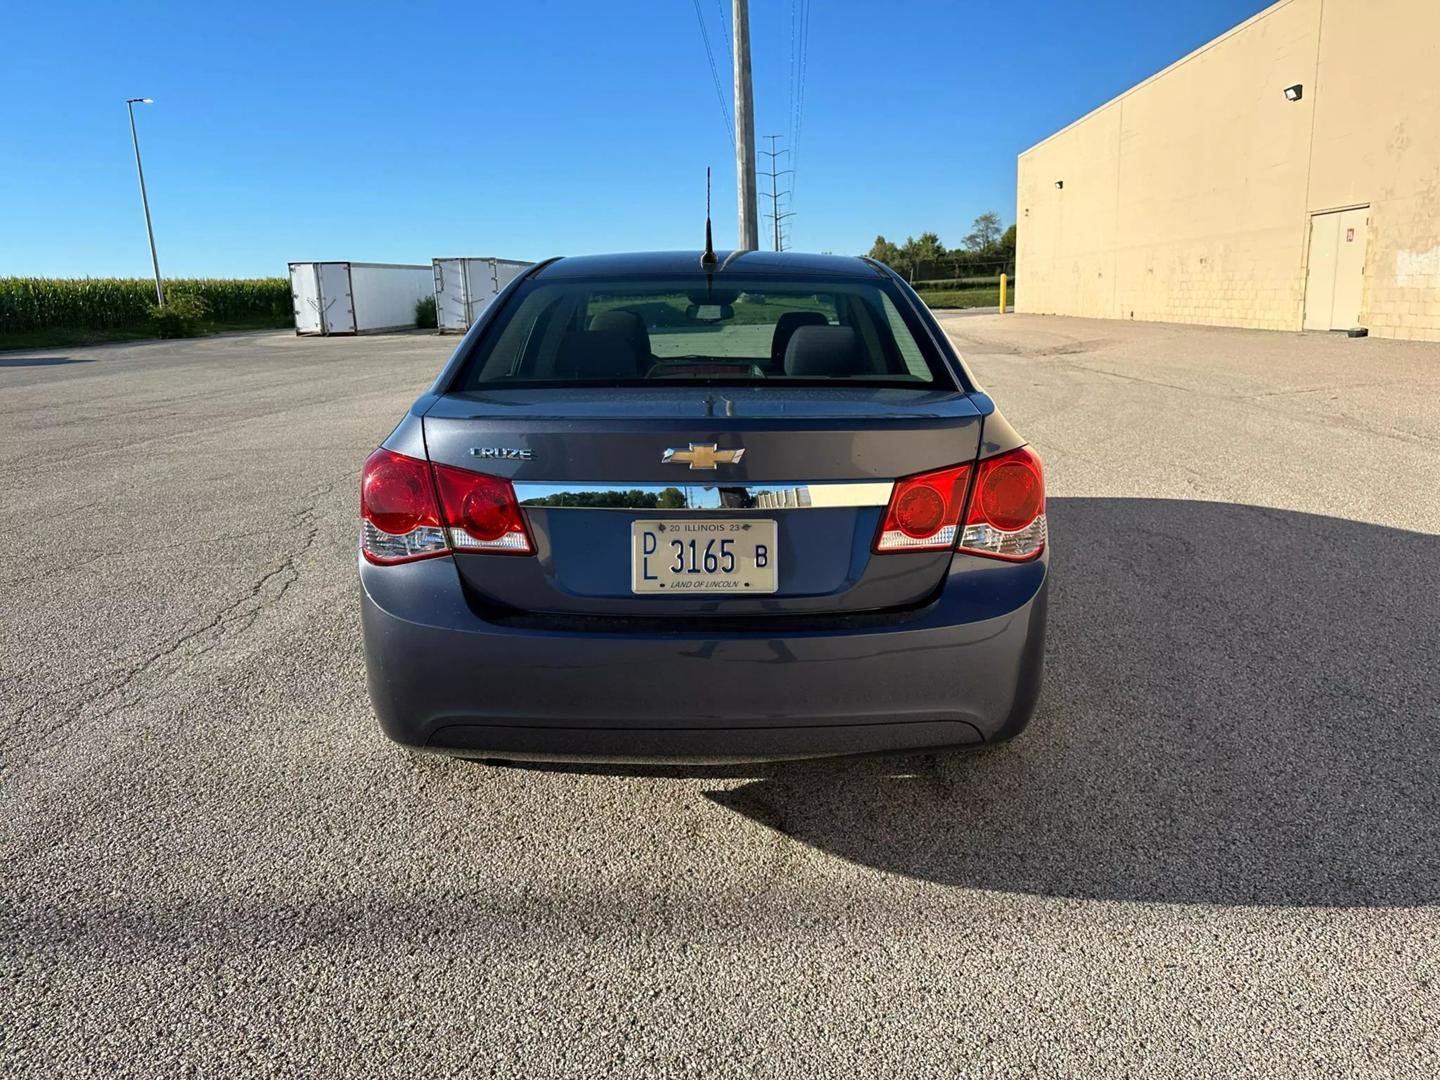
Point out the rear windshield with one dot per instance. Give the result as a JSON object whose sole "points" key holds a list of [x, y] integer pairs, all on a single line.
{"points": [[749, 332]]}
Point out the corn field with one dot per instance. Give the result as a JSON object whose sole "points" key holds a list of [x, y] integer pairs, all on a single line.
{"points": [[118, 303]]}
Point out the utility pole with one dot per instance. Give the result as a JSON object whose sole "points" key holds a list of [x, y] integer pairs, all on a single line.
{"points": [[745, 130], [776, 217], [130, 104]]}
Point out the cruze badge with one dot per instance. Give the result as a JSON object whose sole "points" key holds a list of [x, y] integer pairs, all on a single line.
{"points": [[507, 453], [702, 456]]}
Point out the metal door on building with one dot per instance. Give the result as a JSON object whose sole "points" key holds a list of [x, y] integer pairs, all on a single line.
{"points": [[1335, 279]]}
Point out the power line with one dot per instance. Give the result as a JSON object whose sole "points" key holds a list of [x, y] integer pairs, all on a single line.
{"points": [[803, 70], [714, 72], [725, 30], [800, 62], [790, 102]]}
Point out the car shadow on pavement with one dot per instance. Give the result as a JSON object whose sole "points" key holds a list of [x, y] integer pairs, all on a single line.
{"points": [[1242, 706]]}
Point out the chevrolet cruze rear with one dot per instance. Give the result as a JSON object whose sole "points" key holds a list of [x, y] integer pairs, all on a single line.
{"points": [[660, 508]]}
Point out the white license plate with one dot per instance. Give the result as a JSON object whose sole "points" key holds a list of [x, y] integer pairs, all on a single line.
{"points": [[703, 555]]}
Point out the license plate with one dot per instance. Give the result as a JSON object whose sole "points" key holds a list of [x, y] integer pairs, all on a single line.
{"points": [[706, 555]]}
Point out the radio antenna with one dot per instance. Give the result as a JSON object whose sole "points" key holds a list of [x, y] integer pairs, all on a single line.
{"points": [[708, 259]]}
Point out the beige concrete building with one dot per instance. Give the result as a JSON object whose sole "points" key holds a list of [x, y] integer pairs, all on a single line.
{"points": [[1207, 195]]}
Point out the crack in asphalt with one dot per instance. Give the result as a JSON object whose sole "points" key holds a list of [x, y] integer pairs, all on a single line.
{"points": [[94, 555], [236, 617]]}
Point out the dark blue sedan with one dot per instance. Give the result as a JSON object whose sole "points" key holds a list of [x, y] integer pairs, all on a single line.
{"points": [[660, 506]]}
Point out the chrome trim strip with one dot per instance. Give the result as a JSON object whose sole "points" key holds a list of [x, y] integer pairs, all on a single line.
{"points": [[680, 496]]}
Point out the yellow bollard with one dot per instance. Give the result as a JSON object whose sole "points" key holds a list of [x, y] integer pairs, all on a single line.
{"points": [[1002, 294]]}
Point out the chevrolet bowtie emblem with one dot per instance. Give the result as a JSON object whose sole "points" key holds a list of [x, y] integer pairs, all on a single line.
{"points": [[702, 456]]}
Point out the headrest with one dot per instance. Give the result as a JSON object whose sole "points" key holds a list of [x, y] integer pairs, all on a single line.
{"points": [[785, 328], [628, 323], [596, 354], [824, 351]]}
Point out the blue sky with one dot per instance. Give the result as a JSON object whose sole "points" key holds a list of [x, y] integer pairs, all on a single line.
{"points": [[403, 131]]}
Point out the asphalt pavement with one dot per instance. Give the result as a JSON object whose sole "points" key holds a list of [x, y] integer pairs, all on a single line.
{"points": [[1214, 853]]}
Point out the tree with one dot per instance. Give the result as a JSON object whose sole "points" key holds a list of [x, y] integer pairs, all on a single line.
{"points": [[984, 233], [927, 249], [1007, 246], [884, 251]]}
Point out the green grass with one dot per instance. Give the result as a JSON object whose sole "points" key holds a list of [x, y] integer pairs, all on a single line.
{"points": [[671, 310], [961, 282], [58, 337], [965, 298]]}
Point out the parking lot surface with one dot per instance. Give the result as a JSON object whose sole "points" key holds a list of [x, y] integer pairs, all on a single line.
{"points": [[1215, 852]]}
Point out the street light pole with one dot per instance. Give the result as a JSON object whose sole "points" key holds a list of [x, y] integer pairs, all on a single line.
{"points": [[130, 104]]}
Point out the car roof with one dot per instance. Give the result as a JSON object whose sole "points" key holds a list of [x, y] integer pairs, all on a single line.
{"points": [[683, 264]]}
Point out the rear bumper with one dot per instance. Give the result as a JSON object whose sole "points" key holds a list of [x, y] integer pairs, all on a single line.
{"points": [[964, 670]]}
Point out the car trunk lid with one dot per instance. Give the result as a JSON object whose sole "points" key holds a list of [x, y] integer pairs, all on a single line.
{"points": [[588, 463]]}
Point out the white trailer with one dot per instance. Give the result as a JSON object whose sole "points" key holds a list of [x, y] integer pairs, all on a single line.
{"points": [[356, 297], [464, 286]]}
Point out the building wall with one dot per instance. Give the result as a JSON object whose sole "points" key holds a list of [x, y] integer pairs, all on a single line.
{"points": [[1188, 198]]}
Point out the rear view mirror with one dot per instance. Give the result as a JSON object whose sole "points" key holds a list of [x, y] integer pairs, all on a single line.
{"points": [[713, 295]]}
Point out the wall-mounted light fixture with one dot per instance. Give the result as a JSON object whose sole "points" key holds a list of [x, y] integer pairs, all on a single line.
{"points": [[1059, 183], [1294, 93]]}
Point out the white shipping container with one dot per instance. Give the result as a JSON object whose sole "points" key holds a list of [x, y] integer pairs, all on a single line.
{"points": [[355, 297], [464, 286]]}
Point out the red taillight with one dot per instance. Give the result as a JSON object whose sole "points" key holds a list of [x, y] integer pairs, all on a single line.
{"points": [[1006, 519], [481, 512], [920, 511], [399, 519], [924, 511]]}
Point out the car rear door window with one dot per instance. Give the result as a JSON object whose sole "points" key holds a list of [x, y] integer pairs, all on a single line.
{"points": [[771, 332]]}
